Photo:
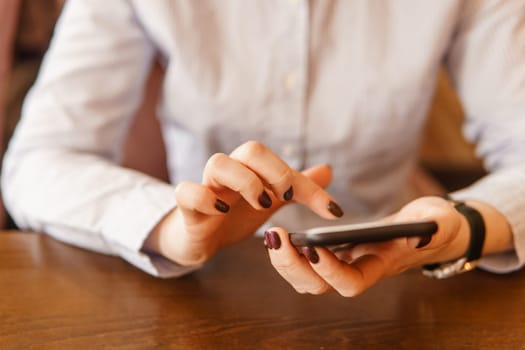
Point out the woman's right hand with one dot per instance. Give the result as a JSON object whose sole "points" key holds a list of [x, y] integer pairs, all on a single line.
{"points": [[239, 192]]}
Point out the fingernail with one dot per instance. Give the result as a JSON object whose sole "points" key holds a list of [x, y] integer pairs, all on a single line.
{"points": [[424, 241], [288, 195], [310, 254], [335, 209], [264, 200], [221, 206], [272, 239]]}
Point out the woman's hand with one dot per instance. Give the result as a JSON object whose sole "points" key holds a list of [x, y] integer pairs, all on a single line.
{"points": [[238, 194], [350, 272]]}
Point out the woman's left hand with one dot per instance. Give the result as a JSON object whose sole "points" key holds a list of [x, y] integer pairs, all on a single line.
{"points": [[350, 272]]}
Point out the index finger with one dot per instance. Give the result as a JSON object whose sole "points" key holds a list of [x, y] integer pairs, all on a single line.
{"points": [[311, 194], [286, 182]]}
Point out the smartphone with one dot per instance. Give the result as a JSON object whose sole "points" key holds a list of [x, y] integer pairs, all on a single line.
{"points": [[362, 233]]}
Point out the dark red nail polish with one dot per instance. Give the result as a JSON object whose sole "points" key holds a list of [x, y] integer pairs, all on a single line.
{"points": [[264, 200], [310, 254], [273, 239], [288, 195], [335, 209], [424, 241], [221, 206]]}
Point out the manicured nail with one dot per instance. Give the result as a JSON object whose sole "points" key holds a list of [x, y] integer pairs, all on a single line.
{"points": [[272, 239], [288, 195], [424, 241], [221, 206], [266, 241], [264, 200], [335, 209], [310, 254]]}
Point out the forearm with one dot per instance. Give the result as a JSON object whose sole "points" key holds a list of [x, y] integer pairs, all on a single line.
{"points": [[82, 192], [89, 202], [480, 69]]}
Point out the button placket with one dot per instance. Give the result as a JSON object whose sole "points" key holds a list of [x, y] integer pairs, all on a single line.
{"points": [[291, 81]]}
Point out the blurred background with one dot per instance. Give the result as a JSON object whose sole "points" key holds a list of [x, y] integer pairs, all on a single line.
{"points": [[26, 26]]}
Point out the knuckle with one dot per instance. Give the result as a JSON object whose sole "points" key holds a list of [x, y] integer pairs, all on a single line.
{"points": [[319, 289], [350, 292], [285, 265], [286, 177], [251, 182], [317, 194], [253, 149], [250, 186], [199, 202], [182, 189], [216, 161], [300, 289], [331, 274], [179, 189], [191, 195]]}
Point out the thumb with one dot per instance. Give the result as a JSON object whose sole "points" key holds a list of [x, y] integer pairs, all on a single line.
{"points": [[320, 174]]}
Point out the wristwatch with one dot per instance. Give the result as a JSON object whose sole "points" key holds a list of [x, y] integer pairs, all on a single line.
{"points": [[474, 250]]}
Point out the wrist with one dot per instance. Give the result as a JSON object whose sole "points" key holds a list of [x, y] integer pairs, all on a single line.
{"points": [[470, 259], [170, 239], [156, 240], [498, 231]]}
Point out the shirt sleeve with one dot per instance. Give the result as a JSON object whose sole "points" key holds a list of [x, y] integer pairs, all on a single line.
{"points": [[487, 65], [61, 174]]}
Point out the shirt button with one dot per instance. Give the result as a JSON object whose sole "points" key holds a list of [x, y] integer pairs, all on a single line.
{"points": [[287, 150], [290, 81]]}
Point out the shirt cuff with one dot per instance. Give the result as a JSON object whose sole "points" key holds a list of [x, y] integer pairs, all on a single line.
{"points": [[139, 213], [153, 264], [505, 191]]}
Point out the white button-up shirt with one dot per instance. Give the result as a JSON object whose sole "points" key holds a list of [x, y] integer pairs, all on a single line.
{"points": [[341, 82]]}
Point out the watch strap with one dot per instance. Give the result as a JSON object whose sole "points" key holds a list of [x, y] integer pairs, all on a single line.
{"points": [[477, 231], [474, 250]]}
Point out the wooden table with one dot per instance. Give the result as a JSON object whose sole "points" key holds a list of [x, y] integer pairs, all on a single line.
{"points": [[54, 296]]}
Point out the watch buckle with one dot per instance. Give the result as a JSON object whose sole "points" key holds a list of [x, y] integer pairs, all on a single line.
{"points": [[451, 268]]}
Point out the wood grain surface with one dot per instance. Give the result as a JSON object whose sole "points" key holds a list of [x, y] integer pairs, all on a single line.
{"points": [[56, 296]]}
